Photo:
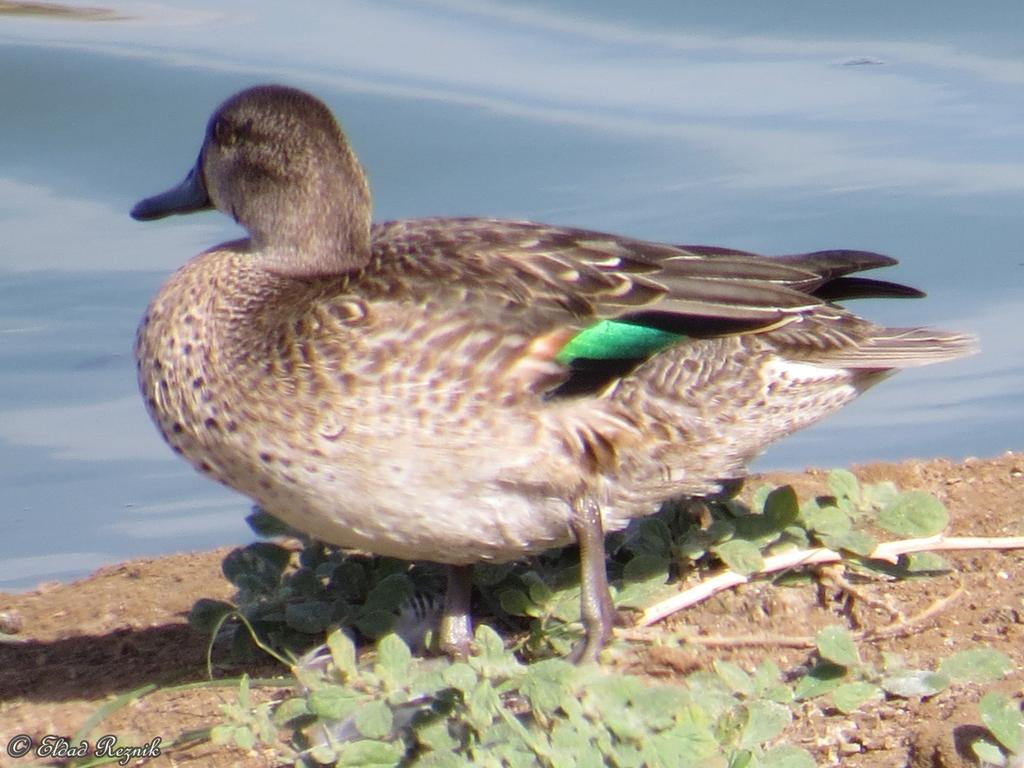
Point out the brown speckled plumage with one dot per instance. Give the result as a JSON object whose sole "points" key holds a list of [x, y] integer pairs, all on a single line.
{"points": [[399, 388]]}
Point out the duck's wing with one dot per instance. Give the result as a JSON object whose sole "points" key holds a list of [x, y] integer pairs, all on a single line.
{"points": [[610, 302], [831, 269], [592, 274]]}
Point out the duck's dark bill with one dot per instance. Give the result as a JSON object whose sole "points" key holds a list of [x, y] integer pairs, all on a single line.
{"points": [[187, 197]]}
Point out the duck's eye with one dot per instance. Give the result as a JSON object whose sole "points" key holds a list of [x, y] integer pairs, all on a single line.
{"points": [[223, 134], [228, 133]]}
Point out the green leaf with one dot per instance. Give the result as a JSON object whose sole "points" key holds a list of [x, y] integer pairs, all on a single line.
{"points": [[206, 614], [779, 693], [490, 574], [435, 736], [711, 691], [546, 683], [242, 645], [332, 702], [766, 721], [516, 603], [489, 645], [696, 541], [390, 593], [303, 582], [540, 593], [925, 563], [313, 555], [760, 497], [257, 567], [375, 623], [374, 719], [879, 495], [913, 683], [290, 709], [988, 753], [657, 705], [730, 724], [349, 579], [566, 736], [245, 738], [649, 536], [566, 605], [644, 578], [244, 693], [1003, 718], [611, 696], [857, 542], [646, 567], [825, 520], [849, 697], [393, 657], [824, 678], [768, 685], [786, 756], [977, 665], [767, 674], [370, 754], [757, 529], [687, 744], [267, 526], [836, 644], [740, 556], [734, 677], [460, 676], [311, 617], [782, 507], [483, 705], [343, 652], [323, 754], [223, 733], [844, 485], [914, 514], [440, 759], [796, 536]]}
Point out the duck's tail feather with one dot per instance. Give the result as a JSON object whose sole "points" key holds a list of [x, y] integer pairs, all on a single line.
{"points": [[844, 288], [826, 272], [904, 348]]}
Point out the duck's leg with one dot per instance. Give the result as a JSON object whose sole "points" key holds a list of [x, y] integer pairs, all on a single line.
{"points": [[456, 630], [596, 607]]}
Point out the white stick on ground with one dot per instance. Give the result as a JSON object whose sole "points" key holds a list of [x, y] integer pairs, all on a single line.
{"points": [[888, 551]]}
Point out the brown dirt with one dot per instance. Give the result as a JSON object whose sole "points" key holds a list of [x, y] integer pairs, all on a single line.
{"points": [[81, 645]]}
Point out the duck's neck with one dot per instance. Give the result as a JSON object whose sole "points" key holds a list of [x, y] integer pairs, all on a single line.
{"points": [[317, 253], [324, 230]]}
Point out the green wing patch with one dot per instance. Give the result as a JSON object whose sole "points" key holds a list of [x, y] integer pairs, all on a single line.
{"points": [[616, 340]]}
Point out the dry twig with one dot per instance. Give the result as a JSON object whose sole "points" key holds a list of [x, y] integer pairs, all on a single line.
{"points": [[889, 551]]}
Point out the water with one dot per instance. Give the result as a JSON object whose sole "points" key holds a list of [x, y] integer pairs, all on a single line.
{"points": [[896, 128]]}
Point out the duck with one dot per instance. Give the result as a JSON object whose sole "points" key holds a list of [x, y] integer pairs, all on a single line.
{"points": [[468, 390]]}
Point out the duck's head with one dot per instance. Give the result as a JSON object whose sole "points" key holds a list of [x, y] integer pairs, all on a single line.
{"points": [[276, 161]]}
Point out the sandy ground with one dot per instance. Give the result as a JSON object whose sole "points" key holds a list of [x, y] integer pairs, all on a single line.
{"points": [[80, 645]]}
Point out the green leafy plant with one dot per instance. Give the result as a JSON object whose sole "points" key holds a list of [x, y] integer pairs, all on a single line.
{"points": [[368, 697], [841, 674], [399, 710], [1003, 718], [291, 597]]}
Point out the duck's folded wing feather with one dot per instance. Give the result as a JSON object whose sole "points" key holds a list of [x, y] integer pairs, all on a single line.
{"points": [[590, 274]]}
